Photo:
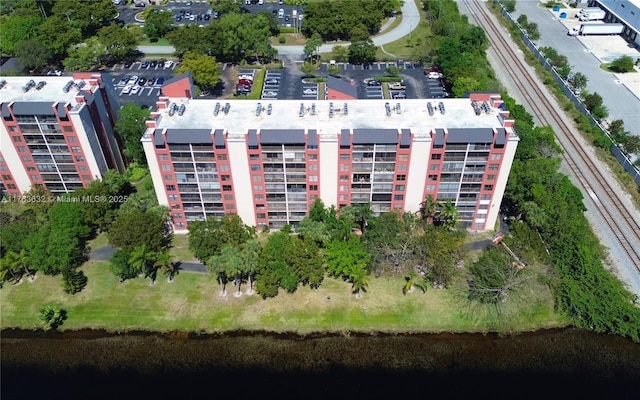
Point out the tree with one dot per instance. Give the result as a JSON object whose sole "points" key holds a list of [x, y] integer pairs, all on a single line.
{"points": [[131, 122], [158, 23], [631, 144], [58, 35], [359, 282], [306, 261], [15, 29], [136, 228], [117, 40], [84, 56], [32, 54], [510, 6], [622, 64], [447, 215], [592, 100], [204, 69], [207, 238], [523, 20], [224, 265], [9, 268], [52, 317], [340, 53], [142, 261], [579, 80], [599, 113], [362, 51], [251, 261], [312, 46], [73, 280], [411, 283], [120, 266], [428, 208], [164, 261], [349, 260], [19, 262]]}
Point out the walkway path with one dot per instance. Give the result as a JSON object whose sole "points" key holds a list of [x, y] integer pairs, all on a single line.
{"points": [[409, 22], [105, 252]]}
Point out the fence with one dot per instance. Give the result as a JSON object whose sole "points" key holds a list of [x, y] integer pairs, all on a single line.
{"points": [[622, 158]]}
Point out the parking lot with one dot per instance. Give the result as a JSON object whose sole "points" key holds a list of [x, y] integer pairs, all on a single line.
{"points": [[140, 83]]}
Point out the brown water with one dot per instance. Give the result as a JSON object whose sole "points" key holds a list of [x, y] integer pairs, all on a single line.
{"points": [[567, 363]]}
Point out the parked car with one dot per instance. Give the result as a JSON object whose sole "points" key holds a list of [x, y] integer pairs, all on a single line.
{"points": [[127, 89], [140, 4], [245, 82], [133, 80], [207, 17], [153, 64], [160, 81], [144, 64], [271, 81], [247, 77], [142, 81], [248, 87], [434, 75], [270, 94], [168, 64], [135, 89], [128, 64], [373, 82], [151, 81], [178, 18], [310, 91]]}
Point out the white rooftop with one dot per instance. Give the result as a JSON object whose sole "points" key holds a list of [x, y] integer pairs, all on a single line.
{"points": [[52, 91], [414, 115]]}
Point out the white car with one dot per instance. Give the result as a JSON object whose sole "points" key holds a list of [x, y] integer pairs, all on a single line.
{"points": [[133, 80], [246, 77], [168, 64], [136, 89], [434, 75], [127, 89], [310, 91]]}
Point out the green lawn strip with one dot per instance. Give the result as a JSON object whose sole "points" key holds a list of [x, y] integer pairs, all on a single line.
{"points": [[159, 42], [180, 249], [407, 46], [192, 303]]}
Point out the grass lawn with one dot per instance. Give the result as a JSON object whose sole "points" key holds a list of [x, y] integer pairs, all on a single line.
{"points": [[159, 42], [180, 249], [192, 303], [408, 46]]}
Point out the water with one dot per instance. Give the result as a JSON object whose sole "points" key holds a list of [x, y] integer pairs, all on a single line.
{"points": [[91, 364]]}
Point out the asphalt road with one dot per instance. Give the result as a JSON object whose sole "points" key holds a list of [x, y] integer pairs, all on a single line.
{"points": [[103, 254]]}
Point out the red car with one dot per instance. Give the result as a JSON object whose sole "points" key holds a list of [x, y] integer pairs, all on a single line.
{"points": [[432, 69], [245, 82]]}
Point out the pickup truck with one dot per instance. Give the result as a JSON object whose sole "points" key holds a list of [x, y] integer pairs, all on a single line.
{"points": [[397, 86]]}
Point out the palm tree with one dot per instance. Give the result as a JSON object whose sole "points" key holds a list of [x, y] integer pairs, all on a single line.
{"points": [[251, 260], [23, 259], [428, 208], [360, 282], [411, 283], [164, 261], [223, 266], [8, 267], [448, 215], [139, 259]]}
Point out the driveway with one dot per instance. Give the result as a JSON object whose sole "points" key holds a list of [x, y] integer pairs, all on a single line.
{"points": [[104, 253]]}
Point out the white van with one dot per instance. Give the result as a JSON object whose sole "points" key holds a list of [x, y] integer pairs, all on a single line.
{"points": [[294, 13], [281, 13]]}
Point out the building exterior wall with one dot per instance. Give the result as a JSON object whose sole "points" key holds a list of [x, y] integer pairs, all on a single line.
{"points": [[270, 171]]}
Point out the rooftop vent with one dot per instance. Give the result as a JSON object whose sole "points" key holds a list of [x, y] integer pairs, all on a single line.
{"points": [[476, 107], [301, 113], [313, 109], [28, 86], [68, 87], [182, 109], [269, 109], [258, 109], [331, 110], [398, 109], [3, 83], [486, 107], [81, 84], [345, 109], [387, 108], [441, 107], [226, 109], [172, 109], [216, 110], [40, 85], [430, 109]]}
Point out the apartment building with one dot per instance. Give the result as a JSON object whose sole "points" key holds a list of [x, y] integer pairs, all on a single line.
{"points": [[269, 161], [57, 132]]}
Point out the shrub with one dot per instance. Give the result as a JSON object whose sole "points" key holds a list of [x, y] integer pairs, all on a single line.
{"points": [[135, 172], [52, 317], [73, 281], [282, 40], [509, 5], [622, 64]]}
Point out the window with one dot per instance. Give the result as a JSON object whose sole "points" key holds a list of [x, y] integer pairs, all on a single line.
{"points": [[313, 167], [398, 197], [436, 156], [496, 156], [75, 149], [344, 178], [22, 149], [26, 158], [255, 167], [13, 129], [493, 167], [179, 224], [168, 177], [486, 197], [491, 177], [11, 186], [71, 139], [401, 177], [434, 167], [175, 206], [259, 197], [163, 157], [261, 215], [403, 157], [224, 167], [488, 187], [344, 157], [30, 169], [400, 188], [254, 157], [86, 177], [313, 178], [17, 139], [67, 128], [177, 216], [171, 188], [166, 167], [343, 197], [431, 188], [256, 178], [344, 167], [433, 177], [228, 197], [173, 197], [402, 167], [257, 188], [313, 187], [312, 157], [225, 178], [230, 206], [222, 157], [84, 168], [80, 159], [226, 188], [6, 177], [344, 188], [259, 206]]}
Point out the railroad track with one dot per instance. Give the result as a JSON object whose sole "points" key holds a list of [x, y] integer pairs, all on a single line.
{"points": [[593, 182]]}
